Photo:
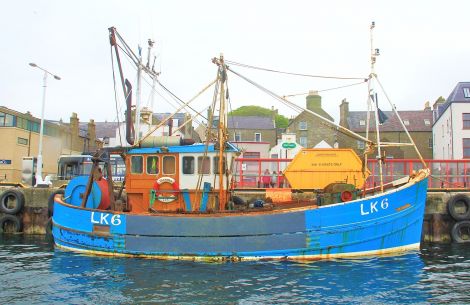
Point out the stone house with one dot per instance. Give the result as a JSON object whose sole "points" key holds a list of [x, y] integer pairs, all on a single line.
{"points": [[310, 130], [417, 122]]}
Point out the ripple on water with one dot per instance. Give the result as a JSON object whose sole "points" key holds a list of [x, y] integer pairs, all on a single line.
{"points": [[31, 271]]}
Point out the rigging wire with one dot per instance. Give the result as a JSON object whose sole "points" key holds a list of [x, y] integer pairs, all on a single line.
{"points": [[300, 109], [291, 73], [329, 89]]}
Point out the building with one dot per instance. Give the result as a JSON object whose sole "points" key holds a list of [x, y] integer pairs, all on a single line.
{"points": [[247, 129], [451, 128], [309, 129], [20, 136], [417, 122], [114, 134]]}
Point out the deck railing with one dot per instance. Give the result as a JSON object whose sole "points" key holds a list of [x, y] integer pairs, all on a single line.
{"points": [[249, 172]]}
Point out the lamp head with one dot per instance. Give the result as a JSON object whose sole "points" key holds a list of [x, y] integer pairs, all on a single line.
{"points": [[32, 64], [56, 77]]}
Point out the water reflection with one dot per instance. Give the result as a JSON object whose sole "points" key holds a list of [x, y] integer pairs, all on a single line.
{"points": [[32, 270]]}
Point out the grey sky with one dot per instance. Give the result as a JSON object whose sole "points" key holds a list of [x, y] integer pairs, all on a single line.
{"points": [[424, 49]]}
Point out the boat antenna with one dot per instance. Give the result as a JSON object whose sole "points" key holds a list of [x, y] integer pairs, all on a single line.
{"points": [[373, 58]]}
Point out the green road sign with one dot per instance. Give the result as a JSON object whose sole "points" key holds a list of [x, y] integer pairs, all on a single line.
{"points": [[288, 145]]}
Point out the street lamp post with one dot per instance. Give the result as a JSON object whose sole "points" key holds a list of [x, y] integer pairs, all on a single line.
{"points": [[39, 180]]}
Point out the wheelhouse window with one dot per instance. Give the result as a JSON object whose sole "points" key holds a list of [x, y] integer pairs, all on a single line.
{"points": [[137, 164], [188, 165], [466, 148], [216, 165], [466, 120], [169, 165], [203, 165], [152, 165]]}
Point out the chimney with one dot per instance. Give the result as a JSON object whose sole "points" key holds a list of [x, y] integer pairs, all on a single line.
{"points": [[92, 135], [73, 131], [427, 106], [344, 113], [313, 100]]}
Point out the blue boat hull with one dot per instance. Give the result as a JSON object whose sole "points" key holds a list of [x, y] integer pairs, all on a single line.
{"points": [[387, 223]]}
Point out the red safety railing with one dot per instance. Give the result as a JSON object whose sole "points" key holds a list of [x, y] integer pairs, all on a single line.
{"points": [[251, 172]]}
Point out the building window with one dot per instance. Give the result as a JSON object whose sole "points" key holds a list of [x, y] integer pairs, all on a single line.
{"points": [[466, 148], [136, 165], [152, 165], [33, 126], [22, 123], [427, 122], [466, 92], [169, 165], [303, 125], [257, 137], [6, 119], [22, 141], [430, 142], [237, 137], [188, 165], [204, 165], [362, 123], [406, 122], [303, 141], [360, 144], [466, 120]]}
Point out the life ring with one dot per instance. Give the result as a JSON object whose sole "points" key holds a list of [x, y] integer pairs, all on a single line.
{"points": [[346, 196], [461, 232], [50, 202], [18, 201], [453, 207], [15, 220], [167, 198]]}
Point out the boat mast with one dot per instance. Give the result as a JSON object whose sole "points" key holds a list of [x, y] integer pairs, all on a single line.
{"points": [[138, 97], [373, 56], [222, 132]]}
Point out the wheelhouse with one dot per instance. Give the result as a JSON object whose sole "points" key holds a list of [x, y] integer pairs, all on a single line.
{"points": [[177, 178]]}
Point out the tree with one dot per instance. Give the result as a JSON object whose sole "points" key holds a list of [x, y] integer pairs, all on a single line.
{"points": [[281, 121]]}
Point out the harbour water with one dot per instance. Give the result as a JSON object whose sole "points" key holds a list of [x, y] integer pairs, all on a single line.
{"points": [[33, 272]]}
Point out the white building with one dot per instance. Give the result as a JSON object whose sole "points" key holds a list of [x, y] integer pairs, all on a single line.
{"points": [[451, 129], [286, 148]]}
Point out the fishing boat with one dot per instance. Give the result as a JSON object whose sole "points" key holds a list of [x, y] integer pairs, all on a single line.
{"points": [[178, 203]]}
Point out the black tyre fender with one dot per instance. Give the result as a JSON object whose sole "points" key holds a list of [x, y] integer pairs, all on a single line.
{"points": [[11, 219], [457, 229], [452, 204], [238, 201], [50, 202], [17, 195]]}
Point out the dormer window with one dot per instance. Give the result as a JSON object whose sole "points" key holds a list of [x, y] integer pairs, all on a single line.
{"points": [[466, 92], [362, 123], [406, 122], [427, 122]]}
